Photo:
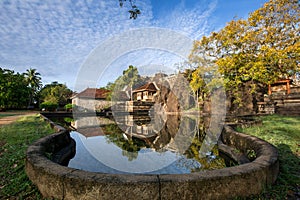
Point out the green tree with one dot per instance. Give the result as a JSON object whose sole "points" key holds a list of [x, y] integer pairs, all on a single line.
{"points": [[261, 49], [130, 77], [128, 81], [33, 79], [110, 86], [55, 93], [14, 92]]}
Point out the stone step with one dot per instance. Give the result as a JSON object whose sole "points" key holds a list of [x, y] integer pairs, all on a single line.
{"points": [[288, 113], [290, 96], [291, 100], [288, 107], [288, 110]]}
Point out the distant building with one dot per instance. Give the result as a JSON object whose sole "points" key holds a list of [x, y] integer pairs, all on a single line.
{"points": [[145, 92], [91, 99]]}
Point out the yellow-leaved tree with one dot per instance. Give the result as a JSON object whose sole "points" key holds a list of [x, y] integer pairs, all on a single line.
{"points": [[260, 50]]}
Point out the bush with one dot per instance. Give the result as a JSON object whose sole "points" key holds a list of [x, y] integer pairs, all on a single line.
{"points": [[48, 106], [69, 106]]}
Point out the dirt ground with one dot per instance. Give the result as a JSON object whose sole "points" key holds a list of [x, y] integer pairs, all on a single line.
{"points": [[15, 116]]}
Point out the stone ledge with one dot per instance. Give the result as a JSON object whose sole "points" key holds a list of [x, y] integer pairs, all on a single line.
{"points": [[57, 181]]}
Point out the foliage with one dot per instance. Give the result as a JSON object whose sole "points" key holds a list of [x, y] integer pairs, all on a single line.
{"points": [[134, 11], [130, 146], [68, 119], [56, 93], [261, 49], [15, 139], [48, 106], [127, 82], [110, 86], [14, 92], [198, 84], [284, 133], [33, 80], [130, 77], [69, 106], [211, 161]]}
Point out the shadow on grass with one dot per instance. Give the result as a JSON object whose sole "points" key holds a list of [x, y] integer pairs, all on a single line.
{"points": [[287, 185]]}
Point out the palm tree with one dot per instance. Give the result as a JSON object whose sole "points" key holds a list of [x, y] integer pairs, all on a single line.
{"points": [[33, 79]]}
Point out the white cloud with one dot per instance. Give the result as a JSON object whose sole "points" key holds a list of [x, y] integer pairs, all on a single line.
{"points": [[56, 36], [192, 22]]}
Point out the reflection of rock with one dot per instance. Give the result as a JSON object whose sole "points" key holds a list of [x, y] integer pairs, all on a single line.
{"points": [[176, 135], [185, 134]]}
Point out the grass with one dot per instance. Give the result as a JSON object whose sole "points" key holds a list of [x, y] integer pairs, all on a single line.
{"points": [[284, 133], [14, 141]]}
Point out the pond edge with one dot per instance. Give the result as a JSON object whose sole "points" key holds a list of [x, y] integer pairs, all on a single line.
{"points": [[60, 182]]}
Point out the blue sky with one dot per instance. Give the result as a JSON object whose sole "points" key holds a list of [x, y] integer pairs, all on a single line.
{"points": [[56, 37]]}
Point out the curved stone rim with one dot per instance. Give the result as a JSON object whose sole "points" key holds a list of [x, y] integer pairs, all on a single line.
{"points": [[54, 180]]}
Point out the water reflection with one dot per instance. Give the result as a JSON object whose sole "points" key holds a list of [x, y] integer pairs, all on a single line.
{"points": [[142, 144]]}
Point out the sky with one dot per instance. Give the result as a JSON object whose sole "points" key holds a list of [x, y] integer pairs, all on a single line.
{"points": [[65, 39]]}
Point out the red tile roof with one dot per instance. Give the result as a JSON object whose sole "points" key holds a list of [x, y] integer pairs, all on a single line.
{"points": [[93, 93], [147, 87]]}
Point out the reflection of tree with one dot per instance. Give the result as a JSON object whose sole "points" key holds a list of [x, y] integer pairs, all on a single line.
{"points": [[178, 134], [212, 159], [130, 146], [130, 155]]}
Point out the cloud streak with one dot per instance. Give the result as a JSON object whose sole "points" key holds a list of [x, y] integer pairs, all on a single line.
{"points": [[56, 37]]}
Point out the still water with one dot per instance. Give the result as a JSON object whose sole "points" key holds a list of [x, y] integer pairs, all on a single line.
{"points": [[143, 145]]}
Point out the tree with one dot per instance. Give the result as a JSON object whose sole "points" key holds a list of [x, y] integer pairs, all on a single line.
{"points": [[110, 86], [197, 84], [134, 11], [33, 79], [55, 93], [14, 92], [261, 49], [129, 80], [131, 77]]}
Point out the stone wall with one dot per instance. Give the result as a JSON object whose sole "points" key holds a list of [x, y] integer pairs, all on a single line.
{"points": [[57, 181], [86, 104]]}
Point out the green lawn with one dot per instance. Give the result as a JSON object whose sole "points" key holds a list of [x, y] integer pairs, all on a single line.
{"points": [[14, 140], [284, 133]]}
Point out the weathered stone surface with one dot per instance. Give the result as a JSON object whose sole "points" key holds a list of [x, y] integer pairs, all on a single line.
{"points": [[240, 181], [56, 181], [110, 186], [48, 176]]}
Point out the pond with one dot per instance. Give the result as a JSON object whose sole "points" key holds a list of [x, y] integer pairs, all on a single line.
{"points": [[132, 144]]}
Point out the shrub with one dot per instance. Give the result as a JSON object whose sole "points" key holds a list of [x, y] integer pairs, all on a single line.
{"points": [[69, 106], [48, 106]]}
